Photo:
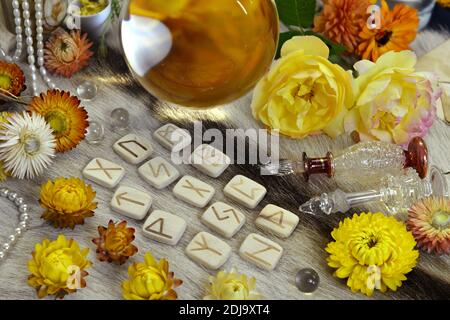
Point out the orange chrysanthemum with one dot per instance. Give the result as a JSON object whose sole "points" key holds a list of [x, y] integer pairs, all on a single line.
{"points": [[65, 116], [398, 29], [12, 78], [115, 242], [66, 53], [444, 3], [341, 21]]}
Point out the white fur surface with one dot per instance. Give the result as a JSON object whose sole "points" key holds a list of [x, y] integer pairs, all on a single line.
{"points": [[305, 248]]}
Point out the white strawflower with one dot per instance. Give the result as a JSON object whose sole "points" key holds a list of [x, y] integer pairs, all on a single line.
{"points": [[27, 145]]}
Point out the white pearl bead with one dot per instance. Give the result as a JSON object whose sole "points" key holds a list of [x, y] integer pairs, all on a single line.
{"points": [[23, 208], [38, 14], [26, 14], [52, 86], [39, 37], [11, 238], [39, 30], [18, 30], [19, 201], [6, 246], [4, 192], [25, 5], [27, 24], [17, 21], [15, 4], [16, 58], [39, 23], [29, 41], [37, 6], [31, 60], [33, 77], [2, 255], [18, 231], [16, 13], [43, 71], [12, 196], [30, 50], [40, 52], [33, 69], [23, 225], [47, 80], [24, 217], [40, 61]]}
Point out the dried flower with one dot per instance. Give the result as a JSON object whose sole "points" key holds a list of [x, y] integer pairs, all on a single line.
{"points": [[342, 20], [444, 3], [373, 251], [304, 93], [231, 286], [3, 173], [67, 118], [58, 267], [150, 280], [12, 79], [67, 53], [398, 29], [429, 222], [27, 145], [115, 242], [67, 202], [394, 103]]}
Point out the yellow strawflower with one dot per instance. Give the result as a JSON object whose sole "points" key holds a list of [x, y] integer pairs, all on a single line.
{"points": [[58, 267], [231, 286], [150, 280], [444, 3], [68, 201], [373, 251]]}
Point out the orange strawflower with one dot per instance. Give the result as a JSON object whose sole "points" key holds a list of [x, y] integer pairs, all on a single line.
{"points": [[398, 29], [12, 79], [64, 115], [342, 20]]}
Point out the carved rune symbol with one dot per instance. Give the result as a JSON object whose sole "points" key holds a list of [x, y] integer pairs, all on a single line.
{"points": [[268, 247], [105, 170], [160, 232], [204, 246], [198, 190], [121, 196], [250, 195], [221, 218], [124, 143], [209, 156], [273, 218], [170, 134], [161, 167]]}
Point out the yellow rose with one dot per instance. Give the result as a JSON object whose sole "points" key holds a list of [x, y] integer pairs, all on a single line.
{"points": [[393, 102], [231, 286], [304, 93], [150, 280], [52, 265]]}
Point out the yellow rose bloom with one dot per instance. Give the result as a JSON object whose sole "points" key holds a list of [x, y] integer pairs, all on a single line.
{"points": [[58, 267], [393, 102], [231, 286], [150, 280], [373, 251], [304, 93], [68, 201]]}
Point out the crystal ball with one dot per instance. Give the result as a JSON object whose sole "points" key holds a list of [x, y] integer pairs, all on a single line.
{"points": [[200, 53], [120, 119], [307, 280], [87, 90], [95, 132]]}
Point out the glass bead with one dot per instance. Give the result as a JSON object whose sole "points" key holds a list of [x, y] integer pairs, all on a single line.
{"points": [[95, 132], [120, 119], [87, 90], [307, 280]]}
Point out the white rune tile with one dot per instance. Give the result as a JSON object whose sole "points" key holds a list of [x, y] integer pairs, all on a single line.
{"points": [[103, 172], [277, 220], [210, 160], [172, 137], [194, 191], [131, 202], [208, 250], [133, 148], [261, 251], [164, 227], [223, 219], [245, 191], [158, 172]]}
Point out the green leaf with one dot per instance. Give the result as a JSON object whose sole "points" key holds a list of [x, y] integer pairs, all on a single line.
{"points": [[285, 36], [299, 13]]}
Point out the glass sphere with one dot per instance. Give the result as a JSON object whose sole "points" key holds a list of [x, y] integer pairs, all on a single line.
{"points": [[120, 118], [200, 53], [95, 132], [87, 90], [307, 280]]}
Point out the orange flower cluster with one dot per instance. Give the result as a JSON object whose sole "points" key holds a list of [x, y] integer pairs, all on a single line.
{"points": [[346, 22]]}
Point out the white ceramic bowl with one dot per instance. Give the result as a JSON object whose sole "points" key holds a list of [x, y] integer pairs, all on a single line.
{"points": [[93, 24]]}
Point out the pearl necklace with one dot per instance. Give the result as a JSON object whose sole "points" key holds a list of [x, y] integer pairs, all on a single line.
{"points": [[29, 41], [23, 221]]}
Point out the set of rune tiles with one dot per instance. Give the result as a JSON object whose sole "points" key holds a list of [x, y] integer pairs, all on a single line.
{"points": [[223, 219]]}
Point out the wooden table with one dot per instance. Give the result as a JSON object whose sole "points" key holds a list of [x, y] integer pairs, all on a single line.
{"points": [[305, 248]]}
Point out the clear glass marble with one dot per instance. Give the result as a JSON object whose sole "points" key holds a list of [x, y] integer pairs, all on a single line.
{"points": [[87, 90], [95, 132], [397, 193], [120, 118], [307, 280]]}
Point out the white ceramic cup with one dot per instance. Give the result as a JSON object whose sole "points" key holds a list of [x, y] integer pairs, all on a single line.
{"points": [[94, 24]]}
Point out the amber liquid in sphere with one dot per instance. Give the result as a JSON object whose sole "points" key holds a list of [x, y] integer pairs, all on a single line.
{"points": [[202, 53]]}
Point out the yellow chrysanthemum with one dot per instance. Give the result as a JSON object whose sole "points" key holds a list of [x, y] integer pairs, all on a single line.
{"points": [[3, 173], [373, 251], [58, 267], [444, 3], [150, 280], [68, 201], [64, 114], [231, 286]]}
